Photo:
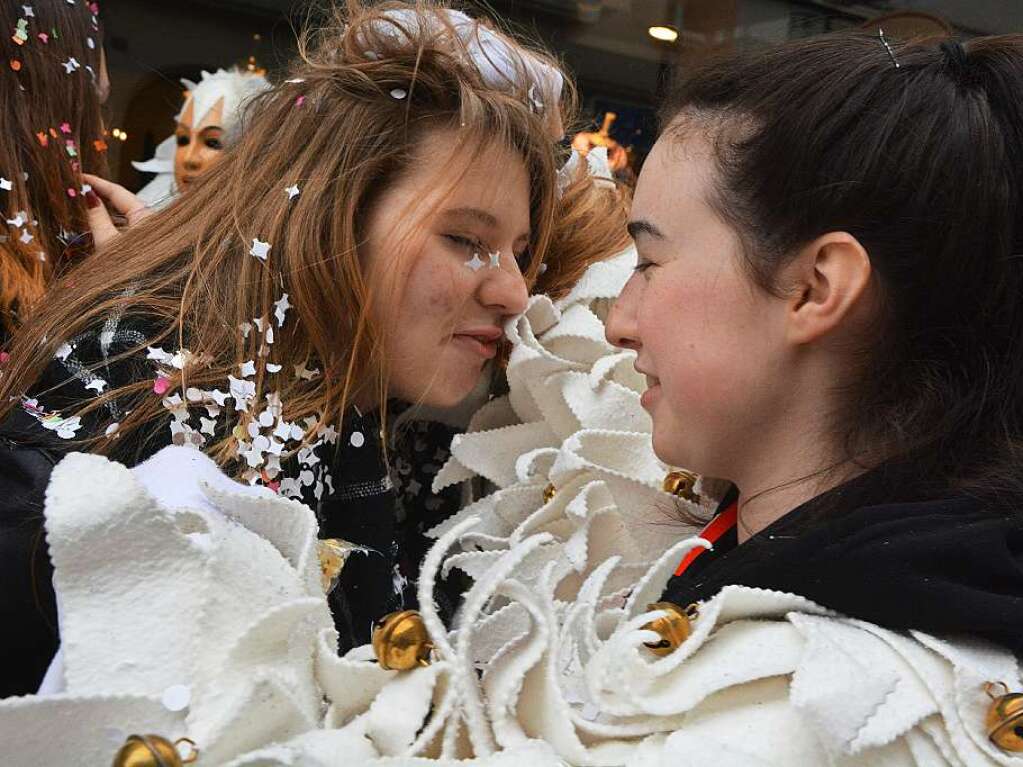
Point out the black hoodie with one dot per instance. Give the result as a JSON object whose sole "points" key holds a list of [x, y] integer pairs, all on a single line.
{"points": [[947, 566]]}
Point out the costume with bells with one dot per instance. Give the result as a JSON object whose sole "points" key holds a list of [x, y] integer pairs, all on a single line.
{"points": [[556, 657]]}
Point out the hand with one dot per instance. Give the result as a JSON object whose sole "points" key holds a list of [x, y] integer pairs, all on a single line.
{"points": [[124, 203]]}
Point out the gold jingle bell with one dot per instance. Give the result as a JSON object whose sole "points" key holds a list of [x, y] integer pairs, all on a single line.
{"points": [[674, 627], [682, 485], [1004, 722], [333, 553], [401, 642], [153, 751], [548, 493]]}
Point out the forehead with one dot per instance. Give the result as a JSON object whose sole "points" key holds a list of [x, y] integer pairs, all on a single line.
{"points": [[491, 176], [214, 117], [677, 179]]}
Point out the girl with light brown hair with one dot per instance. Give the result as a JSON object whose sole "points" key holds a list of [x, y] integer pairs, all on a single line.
{"points": [[357, 252]]}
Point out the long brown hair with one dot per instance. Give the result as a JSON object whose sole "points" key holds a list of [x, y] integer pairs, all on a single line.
{"points": [[591, 224], [50, 130], [343, 126]]}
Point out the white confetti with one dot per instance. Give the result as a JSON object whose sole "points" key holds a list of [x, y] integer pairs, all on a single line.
{"points": [[272, 367], [357, 439], [71, 65], [64, 352], [207, 425], [217, 396], [245, 328], [259, 249], [292, 191], [18, 220], [176, 697], [86, 188], [306, 374], [112, 428], [91, 43], [398, 93], [495, 260], [97, 385], [281, 307], [28, 11], [26, 237], [6, 184], [475, 263], [247, 369], [295, 80], [193, 394], [158, 354]]}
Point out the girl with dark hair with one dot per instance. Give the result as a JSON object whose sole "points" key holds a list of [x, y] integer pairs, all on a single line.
{"points": [[52, 84], [828, 308]]}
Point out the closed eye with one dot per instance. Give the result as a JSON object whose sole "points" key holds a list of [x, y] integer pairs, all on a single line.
{"points": [[467, 243]]}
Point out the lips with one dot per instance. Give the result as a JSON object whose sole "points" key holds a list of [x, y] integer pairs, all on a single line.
{"points": [[482, 341]]}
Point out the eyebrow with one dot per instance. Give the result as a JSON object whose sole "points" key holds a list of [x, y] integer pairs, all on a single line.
{"points": [[642, 226], [482, 217]]}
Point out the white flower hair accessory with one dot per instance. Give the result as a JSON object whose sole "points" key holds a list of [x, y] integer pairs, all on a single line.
{"points": [[499, 65]]}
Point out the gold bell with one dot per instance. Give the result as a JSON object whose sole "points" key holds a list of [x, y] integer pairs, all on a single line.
{"points": [[1005, 717], [153, 751], [333, 553], [681, 484], [401, 642], [674, 627], [548, 493]]}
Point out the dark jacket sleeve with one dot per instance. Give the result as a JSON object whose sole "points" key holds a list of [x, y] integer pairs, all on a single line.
{"points": [[28, 615]]}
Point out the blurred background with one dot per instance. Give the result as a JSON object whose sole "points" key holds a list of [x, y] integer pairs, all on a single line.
{"points": [[619, 50]]}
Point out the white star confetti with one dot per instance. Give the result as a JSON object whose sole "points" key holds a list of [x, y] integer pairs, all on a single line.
{"points": [[217, 396], [64, 352], [292, 191], [305, 373], [18, 220], [495, 260], [398, 93], [6, 184], [26, 237], [71, 65], [281, 306], [28, 11], [97, 385], [475, 263], [259, 249], [207, 425], [158, 354], [247, 369]]}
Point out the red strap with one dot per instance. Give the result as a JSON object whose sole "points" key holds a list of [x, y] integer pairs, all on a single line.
{"points": [[717, 527]]}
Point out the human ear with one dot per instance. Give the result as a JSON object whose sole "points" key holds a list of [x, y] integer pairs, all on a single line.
{"points": [[830, 277]]}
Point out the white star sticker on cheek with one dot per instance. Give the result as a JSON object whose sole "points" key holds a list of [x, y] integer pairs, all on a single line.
{"points": [[495, 260], [475, 263]]}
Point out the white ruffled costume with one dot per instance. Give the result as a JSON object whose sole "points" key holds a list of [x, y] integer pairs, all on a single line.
{"points": [[179, 586]]}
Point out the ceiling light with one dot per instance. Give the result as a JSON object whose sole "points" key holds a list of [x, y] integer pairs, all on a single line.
{"points": [[667, 34]]}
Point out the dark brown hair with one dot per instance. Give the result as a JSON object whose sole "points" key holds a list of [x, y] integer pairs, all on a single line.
{"points": [[50, 131], [918, 153]]}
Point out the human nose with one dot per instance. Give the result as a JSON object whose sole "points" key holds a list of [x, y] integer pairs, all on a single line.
{"points": [[621, 329], [503, 287]]}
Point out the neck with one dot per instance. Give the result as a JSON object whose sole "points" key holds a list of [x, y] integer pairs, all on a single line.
{"points": [[790, 467]]}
